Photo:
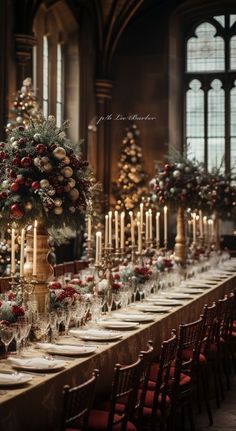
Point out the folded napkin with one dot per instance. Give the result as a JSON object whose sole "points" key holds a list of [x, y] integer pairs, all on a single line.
{"points": [[35, 363]]}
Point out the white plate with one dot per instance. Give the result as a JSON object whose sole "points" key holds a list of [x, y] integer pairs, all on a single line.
{"points": [[164, 302], [66, 349], [195, 291], [178, 295], [117, 324], [153, 308], [15, 379], [198, 285], [37, 364], [96, 334], [131, 317]]}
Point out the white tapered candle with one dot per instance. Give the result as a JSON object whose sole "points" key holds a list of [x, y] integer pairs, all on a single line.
{"points": [[158, 229], [22, 252], [35, 249], [13, 252]]}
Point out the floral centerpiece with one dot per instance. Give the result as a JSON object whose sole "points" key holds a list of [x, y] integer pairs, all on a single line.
{"points": [[61, 296], [10, 308], [43, 176]]}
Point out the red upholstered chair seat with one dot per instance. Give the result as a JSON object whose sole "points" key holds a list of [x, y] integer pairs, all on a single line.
{"points": [[184, 379], [98, 422], [187, 354]]}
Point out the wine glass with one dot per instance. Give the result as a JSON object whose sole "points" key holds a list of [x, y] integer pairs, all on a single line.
{"points": [[109, 300], [117, 299], [7, 334], [19, 335]]}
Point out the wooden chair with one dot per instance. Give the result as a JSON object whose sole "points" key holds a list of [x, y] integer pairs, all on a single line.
{"points": [[184, 375], [77, 403], [59, 269], [155, 402], [123, 400]]}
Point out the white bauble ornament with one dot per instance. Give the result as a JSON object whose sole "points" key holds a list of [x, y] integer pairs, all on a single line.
{"points": [[44, 184], [180, 166], [19, 120], [60, 178], [5, 184], [12, 139], [47, 167], [67, 172], [37, 161], [51, 118], [58, 210], [15, 144], [37, 137], [74, 194], [187, 169], [176, 174], [58, 202], [59, 153], [71, 183], [51, 192], [45, 159]]}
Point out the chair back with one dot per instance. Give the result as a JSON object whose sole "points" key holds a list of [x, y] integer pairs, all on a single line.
{"points": [[209, 317], [187, 352], [143, 384], [77, 403], [124, 391]]}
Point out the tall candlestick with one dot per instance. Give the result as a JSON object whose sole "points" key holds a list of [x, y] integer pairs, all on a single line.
{"points": [[194, 227], [150, 224], [110, 228], [147, 226], [139, 238], [205, 226], [13, 252], [141, 217], [106, 231], [116, 231], [122, 230], [165, 227], [98, 247], [22, 257], [158, 229], [132, 228], [200, 224], [89, 227], [35, 249]]}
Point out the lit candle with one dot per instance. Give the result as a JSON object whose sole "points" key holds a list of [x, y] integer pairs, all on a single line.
{"points": [[35, 249], [150, 224], [139, 238], [158, 229], [22, 257], [132, 228], [110, 228], [89, 227], [194, 227], [116, 231], [106, 231], [98, 247], [13, 252], [141, 217], [146, 225], [200, 224], [205, 226], [122, 230], [165, 226]]}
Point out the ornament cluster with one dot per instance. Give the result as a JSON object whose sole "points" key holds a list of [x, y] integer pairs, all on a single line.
{"points": [[41, 176], [219, 194], [177, 183]]}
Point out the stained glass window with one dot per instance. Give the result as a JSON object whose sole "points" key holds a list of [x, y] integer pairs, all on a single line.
{"points": [[59, 86], [195, 120], [210, 108], [205, 51], [45, 76]]}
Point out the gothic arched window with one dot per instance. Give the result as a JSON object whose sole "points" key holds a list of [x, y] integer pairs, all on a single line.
{"points": [[210, 104]]}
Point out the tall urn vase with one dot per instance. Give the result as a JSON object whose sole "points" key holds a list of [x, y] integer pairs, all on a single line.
{"points": [[180, 240], [44, 271]]}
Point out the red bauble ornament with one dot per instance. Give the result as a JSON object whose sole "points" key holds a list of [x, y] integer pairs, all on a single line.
{"points": [[40, 148], [20, 180], [16, 161], [26, 161], [16, 211], [53, 146], [35, 185], [21, 128], [3, 155], [14, 187], [3, 195], [2, 144], [12, 174]]}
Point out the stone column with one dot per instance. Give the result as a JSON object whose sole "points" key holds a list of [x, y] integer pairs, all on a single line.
{"points": [[104, 123]]}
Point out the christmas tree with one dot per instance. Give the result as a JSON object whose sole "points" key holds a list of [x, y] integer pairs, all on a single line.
{"points": [[131, 184], [25, 106]]}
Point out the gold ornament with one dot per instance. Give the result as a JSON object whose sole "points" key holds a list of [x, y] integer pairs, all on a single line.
{"points": [[58, 202], [59, 153], [44, 184], [58, 210], [74, 194], [67, 172], [28, 206], [71, 183]]}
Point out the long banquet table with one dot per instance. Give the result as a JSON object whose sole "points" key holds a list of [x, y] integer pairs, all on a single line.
{"points": [[37, 405]]}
